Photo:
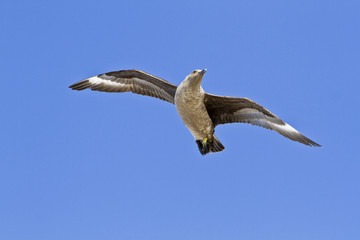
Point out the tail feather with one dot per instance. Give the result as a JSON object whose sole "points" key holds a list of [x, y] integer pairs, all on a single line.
{"points": [[217, 146], [209, 147]]}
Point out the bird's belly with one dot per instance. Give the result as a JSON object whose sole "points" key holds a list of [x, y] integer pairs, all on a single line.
{"points": [[195, 116]]}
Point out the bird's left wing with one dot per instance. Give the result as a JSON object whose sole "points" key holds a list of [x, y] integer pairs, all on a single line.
{"points": [[134, 81], [229, 110]]}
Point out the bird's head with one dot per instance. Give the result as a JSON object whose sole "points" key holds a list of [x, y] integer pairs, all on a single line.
{"points": [[196, 76]]}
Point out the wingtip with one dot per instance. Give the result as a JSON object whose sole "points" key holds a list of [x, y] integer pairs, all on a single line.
{"points": [[80, 85], [316, 145], [310, 143], [71, 86]]}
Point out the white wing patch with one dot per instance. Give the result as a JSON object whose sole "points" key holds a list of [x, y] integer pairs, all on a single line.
{"points": [[288, 128], [97, 80], [258, 118], [247, 111]]}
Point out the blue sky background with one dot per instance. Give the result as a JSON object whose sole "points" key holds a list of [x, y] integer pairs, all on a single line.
{"points": [[90, 165]]}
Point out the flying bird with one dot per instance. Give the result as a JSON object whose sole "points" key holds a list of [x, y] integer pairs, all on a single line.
{"points": [[201, 112]]}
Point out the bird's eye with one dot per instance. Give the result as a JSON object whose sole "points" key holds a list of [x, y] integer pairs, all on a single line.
{"points": [[194, 71]]}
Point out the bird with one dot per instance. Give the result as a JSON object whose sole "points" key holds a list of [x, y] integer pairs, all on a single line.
{"points": [[201, 112]]}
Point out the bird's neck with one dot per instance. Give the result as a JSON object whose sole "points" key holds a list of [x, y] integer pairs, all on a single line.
{"points": [[194, 84]]}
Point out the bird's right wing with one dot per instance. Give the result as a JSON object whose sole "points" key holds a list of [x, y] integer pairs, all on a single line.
{"points": [[134, 81], [229, 110]]}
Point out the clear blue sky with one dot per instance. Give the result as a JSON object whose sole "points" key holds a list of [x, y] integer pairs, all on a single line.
{"points": [[90, 165]]}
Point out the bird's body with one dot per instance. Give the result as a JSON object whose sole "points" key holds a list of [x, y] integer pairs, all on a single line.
{"points": [[189, 102], [201, 112]]}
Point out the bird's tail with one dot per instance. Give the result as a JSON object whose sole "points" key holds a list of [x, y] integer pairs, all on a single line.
{"points": [[206, 147]]}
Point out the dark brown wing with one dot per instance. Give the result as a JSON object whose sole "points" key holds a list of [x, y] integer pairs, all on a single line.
{"points": [[134, 81], [229, 110]]}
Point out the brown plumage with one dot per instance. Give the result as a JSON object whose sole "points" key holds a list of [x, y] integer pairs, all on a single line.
{"points": [[200, 111]]}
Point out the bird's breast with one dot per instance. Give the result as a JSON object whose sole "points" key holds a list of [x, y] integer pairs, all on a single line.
{"points": [[191, 108]]}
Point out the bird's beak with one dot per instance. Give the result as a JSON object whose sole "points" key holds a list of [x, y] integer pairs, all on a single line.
{"points": [[203, 71]]}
